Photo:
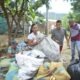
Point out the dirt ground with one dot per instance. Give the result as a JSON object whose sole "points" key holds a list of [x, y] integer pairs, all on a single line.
{"points": [[66, 55], [4, 40]]}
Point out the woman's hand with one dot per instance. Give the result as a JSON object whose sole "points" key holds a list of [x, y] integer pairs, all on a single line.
{"points": [[36, 42], [33, 42]]}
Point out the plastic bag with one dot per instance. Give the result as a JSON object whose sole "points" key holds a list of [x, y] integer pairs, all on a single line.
{"points": [[28, 63], [52, 71], [31, 55], [49, 48], [74, 70], [5, 62], [13, 70]]}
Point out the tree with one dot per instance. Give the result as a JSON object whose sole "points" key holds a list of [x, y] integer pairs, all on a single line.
{"points": [[16, 10], [13, 12], [76, 10]]}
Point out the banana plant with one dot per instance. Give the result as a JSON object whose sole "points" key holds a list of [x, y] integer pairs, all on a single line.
{"points": [[15, 10]]}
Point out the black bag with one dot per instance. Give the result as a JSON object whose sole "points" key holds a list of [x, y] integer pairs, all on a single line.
{"points": [[74, 70]]}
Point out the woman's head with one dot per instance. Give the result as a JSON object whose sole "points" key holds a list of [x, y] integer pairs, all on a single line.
{"points": [[34, 28]]}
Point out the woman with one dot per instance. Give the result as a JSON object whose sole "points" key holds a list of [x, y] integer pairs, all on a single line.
{"points": [[33, 37], [39, 41]]}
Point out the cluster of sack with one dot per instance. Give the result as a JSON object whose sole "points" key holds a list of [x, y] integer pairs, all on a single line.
{"points": [[47, 71], [31, 64]]}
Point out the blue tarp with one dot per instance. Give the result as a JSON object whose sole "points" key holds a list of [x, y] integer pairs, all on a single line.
{"points": [[3, 25], [13, 70]]}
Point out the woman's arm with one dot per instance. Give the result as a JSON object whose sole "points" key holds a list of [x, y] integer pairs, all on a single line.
{"points": [[32, 42]]}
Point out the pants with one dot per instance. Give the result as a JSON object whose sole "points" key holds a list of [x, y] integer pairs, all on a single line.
{"points": [[75, 44], [61, 48]]}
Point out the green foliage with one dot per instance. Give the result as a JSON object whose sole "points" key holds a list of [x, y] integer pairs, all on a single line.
{"points": [[76, 5], [27, 7], [65, 22], [17, 9], [76, 10], [74, 16], [71, 16], [77, 18]]}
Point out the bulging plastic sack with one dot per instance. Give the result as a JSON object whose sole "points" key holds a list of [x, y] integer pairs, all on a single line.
{"points": [[74, 70], [29, 63], [50, 48], [52, 71]]}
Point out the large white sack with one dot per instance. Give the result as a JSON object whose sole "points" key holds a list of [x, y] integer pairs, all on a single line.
{"points": [[29, 68], [32, 54], [28, 63], [50, 48]]}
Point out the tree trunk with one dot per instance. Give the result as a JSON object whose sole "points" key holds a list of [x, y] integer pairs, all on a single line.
{"points": [[8, 23]]}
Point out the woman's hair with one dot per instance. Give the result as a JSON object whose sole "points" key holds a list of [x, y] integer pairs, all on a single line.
{"points": [[32, 27]]}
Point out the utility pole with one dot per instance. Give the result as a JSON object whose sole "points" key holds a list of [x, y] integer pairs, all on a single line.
{"points": [[46, 27]]}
